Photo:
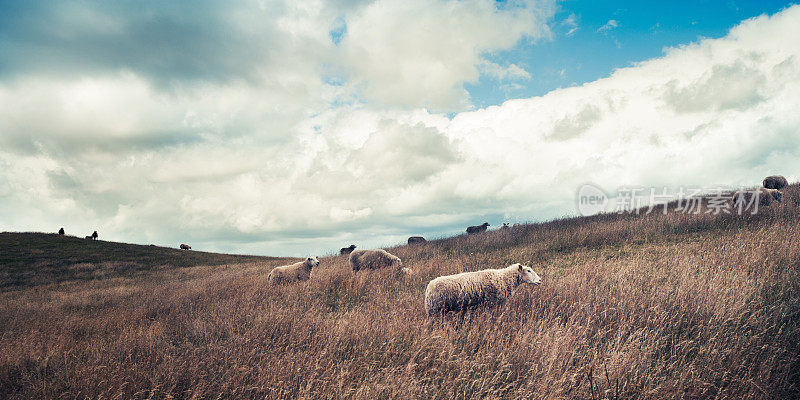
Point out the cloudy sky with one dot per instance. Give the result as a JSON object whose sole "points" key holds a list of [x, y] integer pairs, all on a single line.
{"points": [[295, 128]]}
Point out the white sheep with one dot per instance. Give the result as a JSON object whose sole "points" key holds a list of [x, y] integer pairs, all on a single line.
{"points": [[374, 259], [471, 289], [299, 271]]}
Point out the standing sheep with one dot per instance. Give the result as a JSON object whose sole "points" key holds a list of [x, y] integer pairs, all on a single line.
{"points": [[296, 272], [94, 235], [416, 240], [478, 228], [347, 250], [775, 182], [472, 289], [61, 232], [505, 226], [185, 247], [374, 259]]}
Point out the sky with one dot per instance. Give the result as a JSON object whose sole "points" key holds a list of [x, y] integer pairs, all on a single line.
{"points": [[296, 128]]}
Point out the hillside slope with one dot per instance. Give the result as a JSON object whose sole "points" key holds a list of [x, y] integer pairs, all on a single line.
{"points": [[30, 258], [654, 306]]}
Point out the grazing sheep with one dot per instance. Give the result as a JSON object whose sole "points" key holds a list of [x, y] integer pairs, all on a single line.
{"points": [[186, 247], [744, 198], [374, 259], [416, 240], [478, 228], [61, 231], [347, 250], [296, 272], [775, 182], [94, 235], [472, 289]]}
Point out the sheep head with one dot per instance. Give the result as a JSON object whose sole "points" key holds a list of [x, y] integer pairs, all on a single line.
{"points": [[527, 275]]}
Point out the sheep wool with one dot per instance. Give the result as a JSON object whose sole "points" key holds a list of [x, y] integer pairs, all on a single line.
{"points": [[472, 289], [374, 259], [300, 271]]}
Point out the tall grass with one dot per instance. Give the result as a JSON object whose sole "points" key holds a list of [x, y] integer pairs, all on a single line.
{"points": [[649, 306]]}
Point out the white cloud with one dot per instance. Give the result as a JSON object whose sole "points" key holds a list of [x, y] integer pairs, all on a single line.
{"points": [[511, 72], [280, 166], [610, 25], [571, 24], [419, 54]]}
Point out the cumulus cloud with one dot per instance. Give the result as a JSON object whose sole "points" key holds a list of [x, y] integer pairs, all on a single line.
{"points": [[419, 53], [291, 162]]}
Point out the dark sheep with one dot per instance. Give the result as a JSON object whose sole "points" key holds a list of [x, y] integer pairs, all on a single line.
{"points": [[775, 182], [61, 231], [94, 235], [185, 247], [478, 228], [347, 250], [416, 240]]}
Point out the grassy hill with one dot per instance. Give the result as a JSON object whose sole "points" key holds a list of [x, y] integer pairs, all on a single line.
{"points": [[631, 306], [31, 258]]}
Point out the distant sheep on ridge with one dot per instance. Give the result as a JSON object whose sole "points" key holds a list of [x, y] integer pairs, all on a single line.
{"points": [[477, 228], [186, 247], [775, 182], [416, 240]]}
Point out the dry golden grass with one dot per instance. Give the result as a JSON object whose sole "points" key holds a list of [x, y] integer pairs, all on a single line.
{"points": [[655, 306]]}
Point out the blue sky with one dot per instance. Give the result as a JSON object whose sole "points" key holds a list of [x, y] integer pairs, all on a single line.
{"points": [[580, 51]]}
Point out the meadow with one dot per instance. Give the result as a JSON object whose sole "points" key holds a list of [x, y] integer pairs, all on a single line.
{"points": [[631, 306]]}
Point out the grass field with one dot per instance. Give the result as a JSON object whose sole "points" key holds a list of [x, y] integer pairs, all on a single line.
{"points": [[631, 306]]}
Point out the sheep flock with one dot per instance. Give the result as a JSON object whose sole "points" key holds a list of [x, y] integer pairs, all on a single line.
{"points": [[470, 289]]}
